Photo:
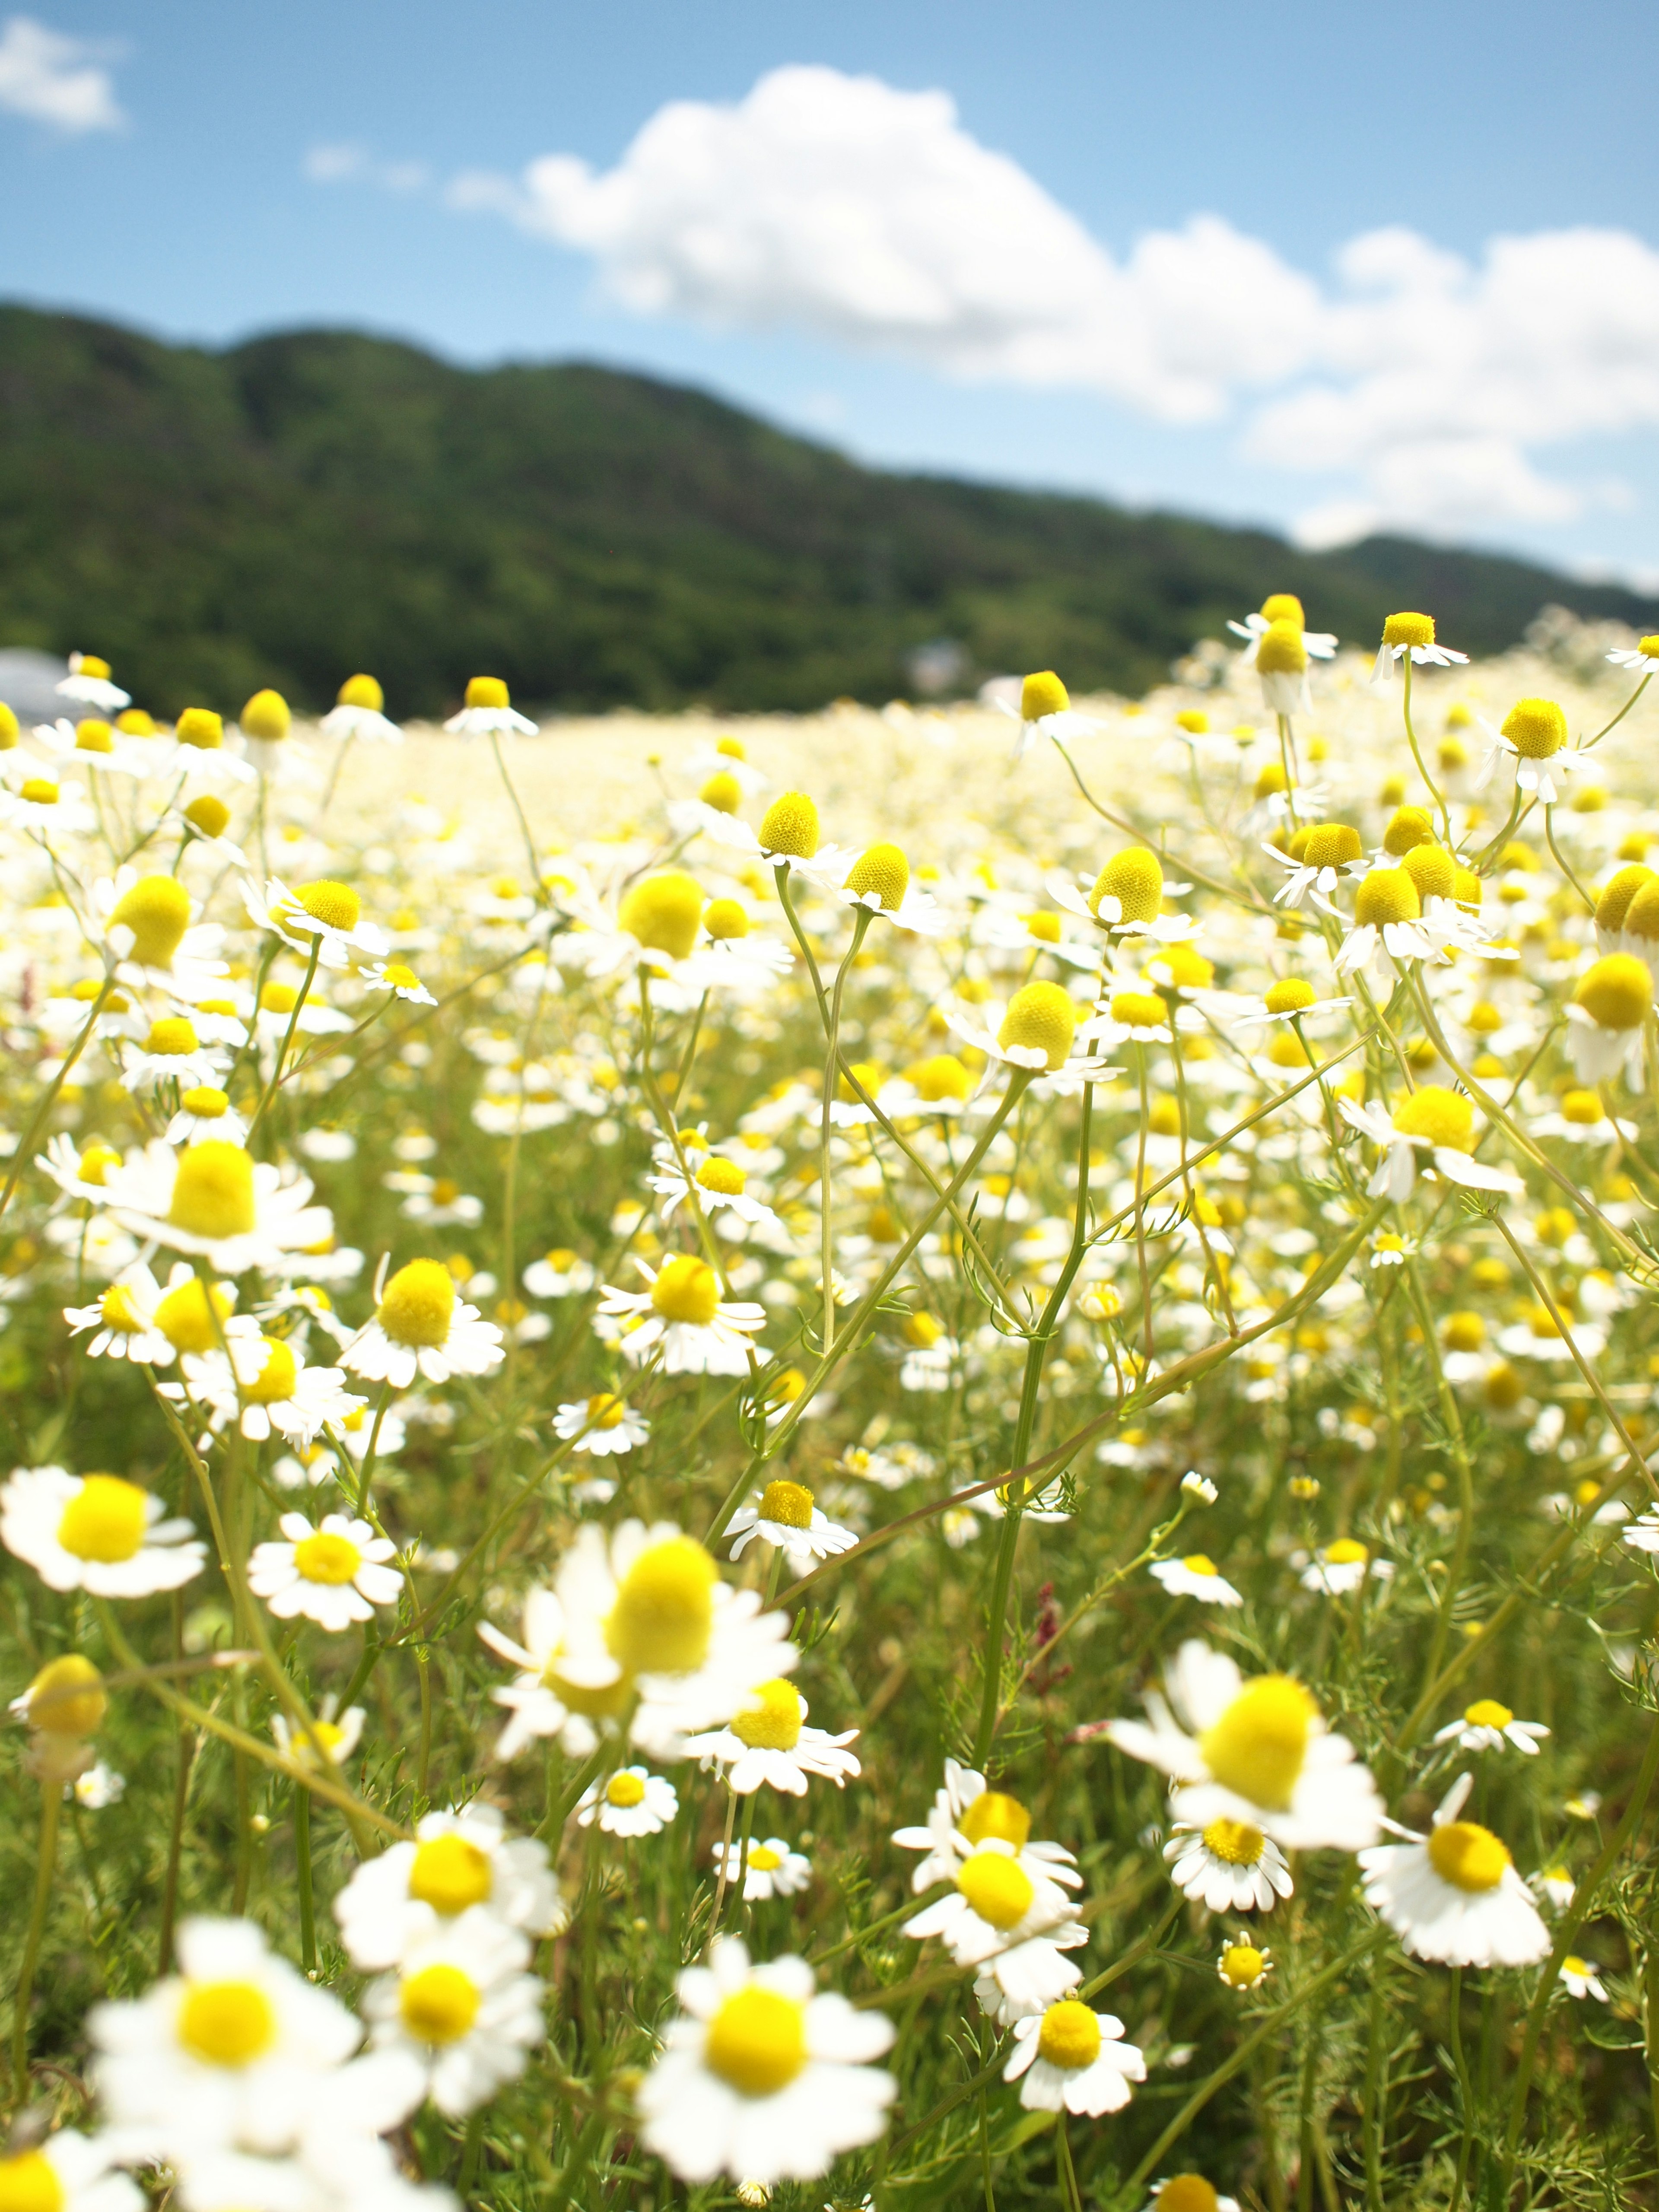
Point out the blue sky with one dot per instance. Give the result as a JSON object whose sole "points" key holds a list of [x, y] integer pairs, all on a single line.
{"points": [[1018, 283]]}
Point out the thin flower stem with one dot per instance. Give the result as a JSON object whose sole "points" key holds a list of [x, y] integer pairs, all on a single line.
{"points": [[272, 1087], [302, 1861], [1411, 739], [46, 1859], [537, 890], [30, 1137]]}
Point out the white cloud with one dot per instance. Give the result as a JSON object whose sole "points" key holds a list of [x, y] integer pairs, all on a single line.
{"points": [[1424, 384], [55, 79], [348, 164]]}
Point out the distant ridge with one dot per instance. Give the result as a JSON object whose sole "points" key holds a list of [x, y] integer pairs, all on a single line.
{"points": [[304, 505]]}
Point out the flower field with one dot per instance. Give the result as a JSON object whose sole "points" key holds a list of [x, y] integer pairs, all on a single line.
{"points": [[890, 1458]]}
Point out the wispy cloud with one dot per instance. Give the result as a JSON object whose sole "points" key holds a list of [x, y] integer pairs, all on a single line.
{"points": [[57, 80], [348, 164]]}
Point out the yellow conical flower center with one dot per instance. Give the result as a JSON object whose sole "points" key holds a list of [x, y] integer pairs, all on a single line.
{"points": [[88, 664], [105, 1520], [213, 1191], [185, 1319], [1134, 877], [1140, 1010], [1386, 895], [1582, 1107], [38, 791], [1199, 1563], [1329, 845], [664, 1615], [723, 1176], [201, 727], [1069, 2036], [208, 814], [763, 1859], [1257, 1747], [1465, 1332], [487, 691], [1041, 1018], [995, 1814], [1468, 1856], [1241, 1966], [1290, 996], [360, 692], [29, 2182], [156, 909], [998, 1888], [1281, 652], [943, 1075], [172, 1037], [722, 792], [1042, 694], [8, 730], [791, 826], [1283, 607], [626, 1789], [605, 1410], [1408, 629], [789, 1504], [773, 1722], [1236, 1843], [724, 920], [267, 716], [731, 749], [96, 1162], [1642, 915], [117, 1310], [278, 997], [1186, 2192], [66, 1697], [1536, 728], [1408, 828], [326, 1558], [688, 1289], [206, 1101], [227, 2023], [1617, 992], [923, 1330], [418, 1306], [883, 870], [1433, 869], [1444, 1117], [1615, 899], [336, 905], [449, 1874], [439, 2004], [93, 735], [276, 1380], [1345, 1551], [1193, 719], [1486, 1712], [663, 913], [757, 2042]]}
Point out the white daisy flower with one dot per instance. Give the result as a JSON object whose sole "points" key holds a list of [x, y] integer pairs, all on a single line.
{"points": [[88, 683], [1537, 1337], [1069, 2058], [214, 1200], [602, 1424], [1257, 1750], [172, 1052], [1554, 1887], [1036, 1028], [1454, 1896], [328, 1742], [150, 927], [1137, 1017], [205, 1112], [78, 1173], [1643, 1534], [996, 1903], [358, 712], [93, 744], [1339, 1568], [97, 1532], [1432, 1119], [1189, 2193], [759, 2078], [488, 712], [1608, 1013], [1281, 607], [1582, 1119], [123, 1319], [1229, 1865], [1487, 1726], [333, 1574], [1580, 1979], [421, 1327], [633, 1802], [766, 1740], [879, 881], [1045, 710], [786, 1516], [402, 982], [462, 2007], [772, 1868], [45, 809], [1198, 1485], [718, 1183], [1197, 1576], [558, 1274], [460, 1861], [1411, 634], [1387, 933], [325, 914], [265, 1387], [99, 1787], [1643, 656], [963, 1815], [699, 1332], [1534, 737]]}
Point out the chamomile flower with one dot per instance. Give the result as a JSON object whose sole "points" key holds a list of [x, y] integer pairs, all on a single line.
{"points": [[768, 1742], [1388, 933], [199, 750], [461, 2006], [759, 2078], [717, 1183], [92, 744], [1045, 710], [879, 883], [1454, 1896], [358, 712], [1580, 1979], [266, 1387], [488, 712], [1411, 634], [558, 1274], [123, 1321], [1282, 607], [1339, 1568], [963, 1815], [402, 982], [205, 1111], [98, 1533], [324, 914], [1189, 2193], [328, 1742], [150, 930], [215, 1201], [1608, 1013], [632, 1801], [88, 683], [1255, 1751], [603, 1424], [79, 1172], [997, 1902], [1034, 1029], [1244, 1965], [1068, 2059], [790, 838], [45, 808], [1196, 1576], [1320, 859], [1643, 656], [172, 1052], [1280, 660], [1230, 1865], [1554, 1887], [1533, 739], [786, 1515], [1487, 1726], [771, 1868], [458, 1863], [1127, 898], [334, 1573], [1139, 1017], [1432, 1119], [421, 1326], [100, 1786], [699, 1332]]}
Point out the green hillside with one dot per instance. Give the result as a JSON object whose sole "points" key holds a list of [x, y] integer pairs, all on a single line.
{"points": [[308, 504]]}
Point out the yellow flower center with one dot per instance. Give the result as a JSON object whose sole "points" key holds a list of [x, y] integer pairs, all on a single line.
{"points": [[725, 919], [722, 792], [1134, 877], [943, 1075], [227, 2023], [172, 1035], [998, 1888], [1236, 1843], [93, 735], [1408, 828], [1041, 1018], [791, 826], [1257, 1747], [1408, 629], [449, 1874], [29, 2182], [206, 1101], [201, 727], [1042, 694], [688, 1289], [106, 1519], [213, 1191], [360, 692], [96, 1162], [731, 749], [1433, 869], [1536, 728], [774, 1723], [1582, 1107], [1642, 915], [788, 1503], [1617, 992], [757, 2042], [664, 1615], [1465, 1332], [1283, 607], [724, 1177], [185, 1318], [156, 909], [117, 1310], [88, 664], [326, 1558], [1199, 1562], [1281, 652], [1345, 1551], [626, 1789], [1291, 996], [266, 715], [39, 791], [1241, 1966], [605, 1410], [1615, 899], [1468, 1856], [995, 1814], [1185, 969], [419, 1305], [1186, 2192], [274, 1382], [1140, 1010], [66, 1697], [1444, 1117], [278, 997], [663, 913], [885, 870], [1069, 2036], [439, 2003], [1329, 845], [336, 905], [487, 691], [134, 722], [764, 1859], [1486, 1712], [923, 1330]]}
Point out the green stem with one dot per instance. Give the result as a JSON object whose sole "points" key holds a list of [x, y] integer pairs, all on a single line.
{"points": [[51, 1801], [302, 1860], [26, 1145], [536, 891], [1411, 739], [1465, 2088], [272, 1087]]}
